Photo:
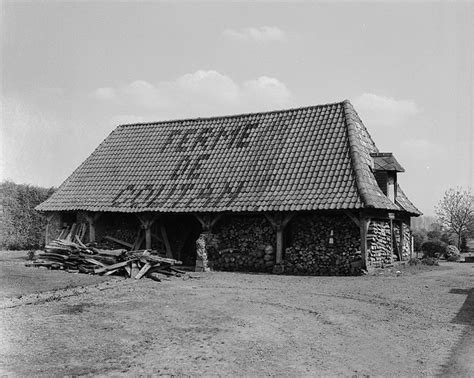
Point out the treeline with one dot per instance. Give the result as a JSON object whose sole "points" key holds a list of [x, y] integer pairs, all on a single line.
{"points": [[21, 226]]}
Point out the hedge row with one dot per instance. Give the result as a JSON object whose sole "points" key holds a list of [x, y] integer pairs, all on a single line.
{"points": [[21, 226]]}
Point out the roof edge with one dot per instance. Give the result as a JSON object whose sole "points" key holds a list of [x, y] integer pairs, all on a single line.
{"points": [[372, 196]]}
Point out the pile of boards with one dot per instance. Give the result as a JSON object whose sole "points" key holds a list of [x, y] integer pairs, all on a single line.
{"points": [[77, 257]]}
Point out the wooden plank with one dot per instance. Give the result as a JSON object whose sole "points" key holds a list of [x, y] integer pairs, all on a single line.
{"points": [[134, 269], [111, 272], [111, 267], [72, 232], [94, 261], [164, 235], [163, 271], [128, 270], [118, 241], [78, 240], [143, 271], [172, 268]]}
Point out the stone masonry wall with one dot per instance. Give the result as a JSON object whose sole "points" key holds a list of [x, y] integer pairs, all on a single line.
{"points": [[323, 245], [379, 243]]}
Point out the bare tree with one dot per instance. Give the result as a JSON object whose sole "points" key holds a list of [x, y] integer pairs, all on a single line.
{"points": [[456, 211]]}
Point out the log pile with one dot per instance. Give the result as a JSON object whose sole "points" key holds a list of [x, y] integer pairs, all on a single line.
{"points": [[260, 260], [76, 257], [406, 242], [243, 245], [379, 242], [323, 245]]}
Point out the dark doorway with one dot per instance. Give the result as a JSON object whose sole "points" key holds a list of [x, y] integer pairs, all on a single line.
{"points": [[183, 231]]}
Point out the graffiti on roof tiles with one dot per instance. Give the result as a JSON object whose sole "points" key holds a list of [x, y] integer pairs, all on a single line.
{"points": [[194, 147]]}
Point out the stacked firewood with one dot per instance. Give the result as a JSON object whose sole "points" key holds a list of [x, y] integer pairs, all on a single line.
{"points": [[243, 245], [379, 243], [76, 257], [323, 245], [260, 260]]}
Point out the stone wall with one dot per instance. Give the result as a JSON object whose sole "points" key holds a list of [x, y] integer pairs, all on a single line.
{"points": [[323, 245], [379, 243]]}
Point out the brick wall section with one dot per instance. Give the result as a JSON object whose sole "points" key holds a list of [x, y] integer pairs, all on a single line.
{"points": [[312, 253], [379, 251]]}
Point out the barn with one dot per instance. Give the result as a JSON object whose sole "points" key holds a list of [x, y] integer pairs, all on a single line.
{"points": [[299, 191]]}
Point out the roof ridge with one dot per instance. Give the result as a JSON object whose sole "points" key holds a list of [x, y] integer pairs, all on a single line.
{"points": [[233, 115]]}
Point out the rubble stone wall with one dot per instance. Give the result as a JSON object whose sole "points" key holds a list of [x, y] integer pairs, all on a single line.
{"points": [[379, 243], [323, 245]]}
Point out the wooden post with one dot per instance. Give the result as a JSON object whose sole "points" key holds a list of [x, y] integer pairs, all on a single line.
{"points": [[402, 240], [164, 235], [147, 221], [207, 221], [49, 217], [91, 219], [279, 221], [148, 237], [364, 228]]}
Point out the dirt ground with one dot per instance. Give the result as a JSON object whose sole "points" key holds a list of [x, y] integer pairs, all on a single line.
{"points": [[411, 323]]}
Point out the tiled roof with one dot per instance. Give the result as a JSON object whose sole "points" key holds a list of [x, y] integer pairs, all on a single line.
{"points": [[312, 158], [405, 204], [385, 161]]}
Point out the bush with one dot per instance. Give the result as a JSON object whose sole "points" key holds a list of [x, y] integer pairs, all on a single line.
{"points": [[414, 261], [419, 237], [433, 248], [429, 261], [454, 258], [451, 252], [21, 226]]}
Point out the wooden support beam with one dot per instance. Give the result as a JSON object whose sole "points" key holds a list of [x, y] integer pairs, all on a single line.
{"points": [[148, 237], [208, 221], [279, 221], [353, 218], [364, 228], [164, 235], [91, 219], [147, 221], [49, 218], [402, 240]]}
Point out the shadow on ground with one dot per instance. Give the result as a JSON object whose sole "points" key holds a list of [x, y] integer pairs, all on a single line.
{"points": [[461, 362]]}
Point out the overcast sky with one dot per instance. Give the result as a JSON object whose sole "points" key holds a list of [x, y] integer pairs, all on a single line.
{"points": [[71, 72]]}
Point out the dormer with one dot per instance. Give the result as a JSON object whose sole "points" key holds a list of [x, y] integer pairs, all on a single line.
{"points": [[385, 171]]}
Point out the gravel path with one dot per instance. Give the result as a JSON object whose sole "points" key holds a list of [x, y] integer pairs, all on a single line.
{"points": [[247, 324]]}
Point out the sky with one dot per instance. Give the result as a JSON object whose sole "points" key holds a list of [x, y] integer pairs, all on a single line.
{"points": [[72, 71]]}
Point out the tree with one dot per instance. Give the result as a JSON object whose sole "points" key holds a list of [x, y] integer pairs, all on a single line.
{"points": [[456, 212]]}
